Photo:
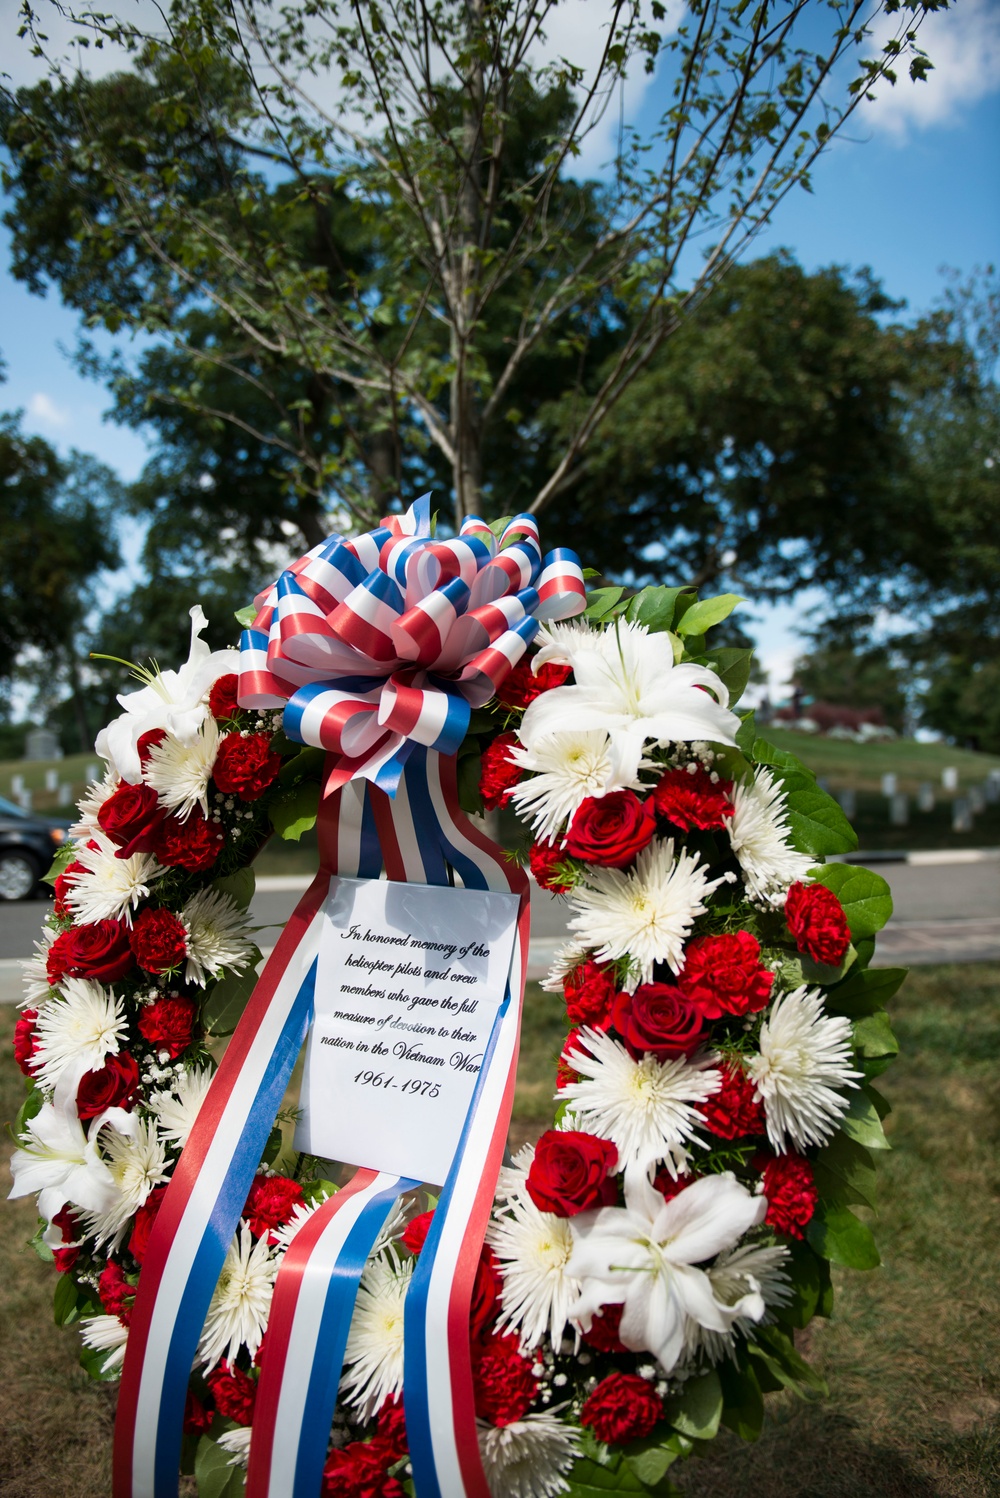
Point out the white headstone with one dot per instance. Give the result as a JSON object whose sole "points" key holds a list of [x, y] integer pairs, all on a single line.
{"points": [[42, 743], [16, 784], [925, 796], [93, 773], [890, 783], [949, 778], [65, 794], [977, 800], [961, 816], [24, 799], [899, 809], [52, 780], [992, 787]]}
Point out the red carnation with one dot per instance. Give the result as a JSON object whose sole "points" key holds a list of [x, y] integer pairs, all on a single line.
{"points": [[791, 1194], [391, 1429], [158, 940], [590, 992], [816, 920], [270, 1204], [502, 1381], [498, 774], [487, 1285], [148, 741], [67, 1224], [572, 1171], [64, 883], [223, 701], [197, 1418], [99, 951], [117, 1295], [604, 1330], [522, 685], [731, 1113], [234, 1392], [689, 798], [360, 1470], [723, 975], [25, 1040], [657, 1018], [610, 830], [193, 845], [245, 765], [113, 1085], [544, 860], [131, 817], [168, 1024], [670, 1186], [415, 1233], [623, 1407], [142, 1224], [565, 1073]]}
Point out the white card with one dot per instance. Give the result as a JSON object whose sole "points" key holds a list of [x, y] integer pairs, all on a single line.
{"points": [[409, 981]]}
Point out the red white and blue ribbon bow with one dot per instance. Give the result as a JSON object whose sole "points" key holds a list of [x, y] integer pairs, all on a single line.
{"points": [[389, 640]]}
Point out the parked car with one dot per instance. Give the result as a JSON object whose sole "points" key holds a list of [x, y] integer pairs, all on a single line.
{"points": [[28, 844]]}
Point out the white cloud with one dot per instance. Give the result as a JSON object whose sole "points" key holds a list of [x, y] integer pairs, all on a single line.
{"points": [[45, 411], [963, 43]]}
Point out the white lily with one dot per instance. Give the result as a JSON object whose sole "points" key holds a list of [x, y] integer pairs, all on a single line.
{"points": [[172, 700], [626, 683], [644, 1257], [60, 1162]]}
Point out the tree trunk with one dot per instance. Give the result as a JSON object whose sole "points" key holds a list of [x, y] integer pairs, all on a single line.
{"points": [[466, 416]]}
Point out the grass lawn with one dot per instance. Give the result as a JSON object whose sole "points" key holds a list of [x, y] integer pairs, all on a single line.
{"points": [[912, 1356]]}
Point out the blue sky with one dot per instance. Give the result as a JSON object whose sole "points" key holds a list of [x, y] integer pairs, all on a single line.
{"points": [[914, 187]]}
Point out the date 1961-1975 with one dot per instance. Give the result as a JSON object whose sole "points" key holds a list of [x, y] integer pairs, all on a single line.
{"points": [[379, 1079]]}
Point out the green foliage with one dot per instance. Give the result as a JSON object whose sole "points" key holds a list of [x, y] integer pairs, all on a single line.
{"points": [[865, 896], [225, 1001], [698, 618], [864, 991], [295, 811], [773, 1349], [862, 1121], [696, 1411], [845, 1172], [818, 825], [875, 1043], [836, 671], [215, 1476], [239, 886], [838, 1235]]}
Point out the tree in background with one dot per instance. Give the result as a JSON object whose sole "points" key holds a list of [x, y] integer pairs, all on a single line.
{"points": [[840, 669], [488, 259]]}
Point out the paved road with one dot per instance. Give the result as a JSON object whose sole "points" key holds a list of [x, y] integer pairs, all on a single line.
{"points": [[947, 912]]}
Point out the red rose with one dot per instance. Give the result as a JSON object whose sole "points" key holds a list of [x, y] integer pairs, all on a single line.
{"points": [[193, 845], [148, 741], [360, 1470], [64, 883], [570, 1172], [689, 798], [197, 1418], [610, 830], [502, 1381], [722, 975], [816, 920], [117, 1295], [25, 1040], [234, 1393], [67, 1224], [544, 860], [659, 1019], [57, 963], [245, 766], [131, 817], [623, 1407], [522, 685], [791, 1194], [99, 951], [168, 1024], [112, 1086], [590, 992], [731, 1113], [415, 1233], [391, 1429], [498, 774], [223, 701], [142, 1224], [158, 940], [270, 1204], [604, 1330]]}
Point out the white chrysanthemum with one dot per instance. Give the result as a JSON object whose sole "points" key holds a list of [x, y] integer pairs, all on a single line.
{"points": [[137, 1163], [568, 767], [645, 913], [112, 887], [562, 644], [804, 1058], [646, 1107], [736, 1273], [373, 1357], [90, 804], [85, 1024], [761, 840], [533, 1248], [106, 1332], [176, 1109], [35, 980], [238, 1312], [302, 1211], [238, 1443], [179, 770], [567, 957], [217, 935], [528, 1458], [512, 1178]]}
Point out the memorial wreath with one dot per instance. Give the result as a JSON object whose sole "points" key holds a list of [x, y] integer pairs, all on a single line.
{"points": [[582, 1315]]}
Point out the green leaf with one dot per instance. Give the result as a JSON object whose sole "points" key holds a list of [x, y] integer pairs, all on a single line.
{"points": [[838, 1235], [875, 1043], [601, 602], [865, 896], [469, 770], [31, 1105], [732, 666], [270, 1151], [776, 1350], [239, 886], [743, 1410], [808, 1275], [93, 1359], [296, 811], [845, 1172], [244, 617], [65, 1301], [225, 1001], [864, 991], [213, 1473], [746, 734], [656, 607], [701, 616], [697, 1411], [650, 1460], [862, 1123], [765, 753], [817, 823], [307, 764], [588, 1478], [63, 858]]}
